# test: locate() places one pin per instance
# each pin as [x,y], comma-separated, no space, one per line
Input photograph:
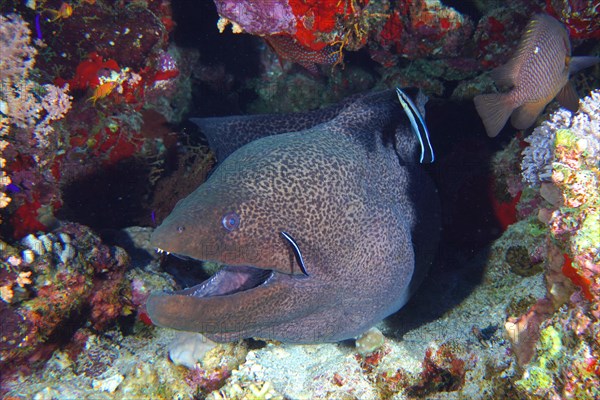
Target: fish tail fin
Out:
[494,110]
[582,62]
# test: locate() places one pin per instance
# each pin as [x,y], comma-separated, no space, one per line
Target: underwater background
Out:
[96,148]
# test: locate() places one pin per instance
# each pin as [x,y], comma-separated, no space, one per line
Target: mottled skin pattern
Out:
[348,190]
[227,134]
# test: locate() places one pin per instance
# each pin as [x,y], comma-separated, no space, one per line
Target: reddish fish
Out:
[288,48]
[537,73]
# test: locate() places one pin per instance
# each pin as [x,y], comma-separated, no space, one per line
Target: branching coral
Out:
[24,104]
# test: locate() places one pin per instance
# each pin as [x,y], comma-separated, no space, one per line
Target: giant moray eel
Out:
[324,221]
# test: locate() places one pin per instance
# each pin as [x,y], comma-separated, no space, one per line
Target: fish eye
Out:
[230,221]
[180,229]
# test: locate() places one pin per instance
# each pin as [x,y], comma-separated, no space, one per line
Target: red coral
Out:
[370,362]
[106,301]
[442,372]
[392,383]
[87,73]
[25,219]
[506,211]
[144,317]
[392,30]
[496,26]
[422,29]
[205,382]
[573,274]
[580,17]
[316,16]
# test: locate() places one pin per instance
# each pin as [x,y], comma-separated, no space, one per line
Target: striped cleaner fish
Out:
[288,48]
[415,116]
[538,72]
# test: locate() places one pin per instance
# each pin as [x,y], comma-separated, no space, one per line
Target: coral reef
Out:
[88,87]
[580,17]
[553,336]
[427,42]
[25,105]
[80,97]
[51,281]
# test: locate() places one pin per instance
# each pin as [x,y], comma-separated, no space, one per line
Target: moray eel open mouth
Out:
[234,279]
[220,306]
[228,290]
[229,280]
[322,220]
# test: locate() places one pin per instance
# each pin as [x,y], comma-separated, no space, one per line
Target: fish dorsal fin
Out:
[507,74]
[374,110]
[393,117]
[227,134]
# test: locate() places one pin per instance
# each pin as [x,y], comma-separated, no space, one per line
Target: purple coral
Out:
[539,156]
[263,17]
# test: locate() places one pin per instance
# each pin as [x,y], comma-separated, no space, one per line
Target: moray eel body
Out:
[324,220]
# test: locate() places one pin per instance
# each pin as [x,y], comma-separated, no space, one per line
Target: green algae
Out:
[211,267]
[588,235]
[540,376]
[565,138]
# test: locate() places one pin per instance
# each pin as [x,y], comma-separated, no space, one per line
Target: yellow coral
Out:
[6,293]
[23,278]
[4,200]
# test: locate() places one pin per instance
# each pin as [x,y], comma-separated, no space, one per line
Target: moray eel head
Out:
[205,228]
[324,222]
[239,219]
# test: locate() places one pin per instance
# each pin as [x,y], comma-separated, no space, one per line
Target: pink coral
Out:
[204,381]
[15,42]
[263,17]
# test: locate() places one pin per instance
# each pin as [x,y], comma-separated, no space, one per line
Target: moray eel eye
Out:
[180,229]
[231,221]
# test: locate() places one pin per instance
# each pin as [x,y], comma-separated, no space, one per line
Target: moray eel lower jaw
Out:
[217,306]
[230,280]
[237,278]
